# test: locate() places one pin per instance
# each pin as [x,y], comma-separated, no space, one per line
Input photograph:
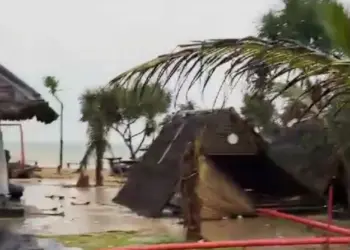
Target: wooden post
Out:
[191,204]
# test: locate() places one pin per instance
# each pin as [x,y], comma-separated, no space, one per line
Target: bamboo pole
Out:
[191,204]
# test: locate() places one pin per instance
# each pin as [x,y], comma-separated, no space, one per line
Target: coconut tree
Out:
[99,110]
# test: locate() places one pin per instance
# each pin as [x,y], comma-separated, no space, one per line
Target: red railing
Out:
[240,243]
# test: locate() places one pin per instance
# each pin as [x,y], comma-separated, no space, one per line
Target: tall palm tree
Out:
[98,109]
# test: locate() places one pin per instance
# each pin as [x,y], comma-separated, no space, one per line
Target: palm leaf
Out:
[296,93]
[240,58]
[336,22]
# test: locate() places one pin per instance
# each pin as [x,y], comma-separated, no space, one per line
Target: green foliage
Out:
[338,119]
[320,24]
[336,22]
[259,112]
[99,110]
[100,104]
[136,102]
[297,20]
[51,83]
[139,103]
[120,108]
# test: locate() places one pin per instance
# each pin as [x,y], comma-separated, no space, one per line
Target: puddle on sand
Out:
[103,215]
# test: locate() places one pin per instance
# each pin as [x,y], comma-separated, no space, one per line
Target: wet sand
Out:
[98,216]
[101,215]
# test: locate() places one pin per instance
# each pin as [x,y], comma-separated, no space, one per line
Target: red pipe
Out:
[305,221]
[239,243]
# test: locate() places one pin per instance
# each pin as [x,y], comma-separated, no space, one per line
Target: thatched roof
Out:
[18,101]
[153,181]
[218,124]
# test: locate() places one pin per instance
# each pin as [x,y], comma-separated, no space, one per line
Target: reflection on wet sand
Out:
[99,215]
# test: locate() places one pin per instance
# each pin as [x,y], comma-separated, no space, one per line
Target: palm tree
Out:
[52,83]
[99,110]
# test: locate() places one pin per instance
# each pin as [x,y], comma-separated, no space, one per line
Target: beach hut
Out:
[238,173]
[18,101]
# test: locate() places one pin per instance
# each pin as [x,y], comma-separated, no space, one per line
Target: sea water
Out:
[46,154]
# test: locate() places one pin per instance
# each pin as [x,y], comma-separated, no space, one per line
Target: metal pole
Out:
[61,132]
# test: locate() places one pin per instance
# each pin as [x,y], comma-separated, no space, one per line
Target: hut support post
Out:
[4,179]
[191,203]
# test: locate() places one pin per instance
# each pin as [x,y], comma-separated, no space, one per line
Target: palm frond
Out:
[296,93]
[241,58]
[336,21]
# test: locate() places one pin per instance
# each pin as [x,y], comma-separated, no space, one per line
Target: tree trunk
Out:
[99,165]
[83,180]
[191,204]
[80,169]
[132,156]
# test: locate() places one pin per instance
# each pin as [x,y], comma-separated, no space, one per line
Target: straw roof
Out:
[18,101]
[153,181]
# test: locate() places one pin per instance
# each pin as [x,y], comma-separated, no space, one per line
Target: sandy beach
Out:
[70,174]
[85,217]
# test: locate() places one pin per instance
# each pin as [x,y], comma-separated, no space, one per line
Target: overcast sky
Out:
[85,43]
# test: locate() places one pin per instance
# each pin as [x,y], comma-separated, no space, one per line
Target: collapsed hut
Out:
[306,152]
[236,173]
